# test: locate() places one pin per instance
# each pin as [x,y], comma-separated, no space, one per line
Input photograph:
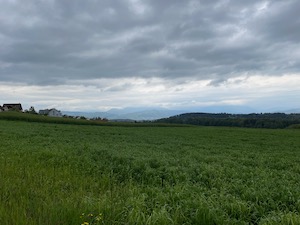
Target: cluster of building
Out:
[18,107]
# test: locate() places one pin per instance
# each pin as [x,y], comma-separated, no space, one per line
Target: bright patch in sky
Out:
[105,94]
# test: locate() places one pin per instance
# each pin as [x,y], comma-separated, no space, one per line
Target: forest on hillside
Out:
[253,120]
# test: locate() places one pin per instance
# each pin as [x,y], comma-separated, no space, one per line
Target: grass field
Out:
[60,174]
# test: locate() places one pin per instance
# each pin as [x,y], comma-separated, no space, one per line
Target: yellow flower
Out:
[99,217]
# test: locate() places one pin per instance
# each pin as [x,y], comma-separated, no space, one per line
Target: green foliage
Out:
[32,110]
[53,173]
[266,120]
[295,126]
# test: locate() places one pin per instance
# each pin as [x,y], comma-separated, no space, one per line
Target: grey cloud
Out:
[118,88]
[280,22]
[217,82]
[45,42]
[144,45]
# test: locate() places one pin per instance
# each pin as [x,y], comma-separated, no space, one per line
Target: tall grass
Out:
[53,173]
[295,126]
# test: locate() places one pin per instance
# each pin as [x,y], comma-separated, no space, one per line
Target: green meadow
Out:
[59,174]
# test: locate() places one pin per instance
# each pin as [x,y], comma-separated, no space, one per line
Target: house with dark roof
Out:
[12,107]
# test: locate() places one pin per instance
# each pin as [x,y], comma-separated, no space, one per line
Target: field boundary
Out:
[19,116]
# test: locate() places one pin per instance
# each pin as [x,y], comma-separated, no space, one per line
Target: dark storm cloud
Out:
[53,41]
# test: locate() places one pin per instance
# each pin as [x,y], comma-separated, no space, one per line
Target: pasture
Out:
[58,174]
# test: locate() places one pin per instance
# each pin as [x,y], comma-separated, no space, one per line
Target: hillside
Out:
[254,120]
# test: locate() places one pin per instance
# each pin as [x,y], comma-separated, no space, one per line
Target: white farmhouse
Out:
[51,112]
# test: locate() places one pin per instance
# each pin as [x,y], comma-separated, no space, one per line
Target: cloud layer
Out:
[53,41]
[258,93]
[131,48]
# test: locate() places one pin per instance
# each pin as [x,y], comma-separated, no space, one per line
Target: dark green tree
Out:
[32,110]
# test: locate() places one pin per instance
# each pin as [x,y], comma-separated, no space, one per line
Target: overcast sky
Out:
[100,54]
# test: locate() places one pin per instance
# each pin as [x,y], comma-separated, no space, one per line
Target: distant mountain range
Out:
[158,113]
[292,111]
[128,114]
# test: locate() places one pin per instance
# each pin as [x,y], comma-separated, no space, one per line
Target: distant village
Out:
[18,107]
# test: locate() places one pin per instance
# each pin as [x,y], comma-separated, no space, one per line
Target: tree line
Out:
[253,120]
